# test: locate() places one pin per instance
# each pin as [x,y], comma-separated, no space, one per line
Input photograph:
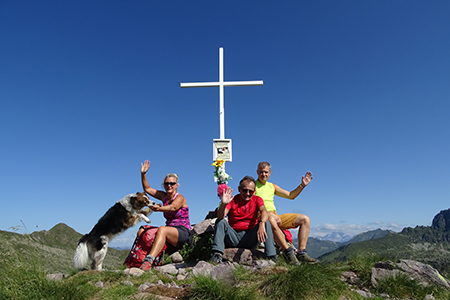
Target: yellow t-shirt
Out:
[266,191]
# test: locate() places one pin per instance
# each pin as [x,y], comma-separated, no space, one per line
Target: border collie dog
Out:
[126,213]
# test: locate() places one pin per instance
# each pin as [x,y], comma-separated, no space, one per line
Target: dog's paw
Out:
[147,211]
[146,219]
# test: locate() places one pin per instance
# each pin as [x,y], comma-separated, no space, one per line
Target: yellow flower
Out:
[218,163]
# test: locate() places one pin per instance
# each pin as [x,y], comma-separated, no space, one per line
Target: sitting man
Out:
[243,230]
[267,190]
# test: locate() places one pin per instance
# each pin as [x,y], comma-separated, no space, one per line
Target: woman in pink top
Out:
[176,212]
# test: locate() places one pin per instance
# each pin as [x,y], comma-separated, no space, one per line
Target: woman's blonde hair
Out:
[171,175]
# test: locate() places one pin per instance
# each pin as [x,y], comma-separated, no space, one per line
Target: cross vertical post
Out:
[221,84]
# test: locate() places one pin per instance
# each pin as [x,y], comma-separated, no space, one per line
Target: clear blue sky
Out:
[358,92]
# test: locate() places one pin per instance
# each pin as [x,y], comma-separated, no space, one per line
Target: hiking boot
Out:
[302,256]
[147,263]
[273,258]
[290,258]
[290,245]
[146,266]
[216,258]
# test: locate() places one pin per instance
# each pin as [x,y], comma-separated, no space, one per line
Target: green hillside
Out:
[53,249]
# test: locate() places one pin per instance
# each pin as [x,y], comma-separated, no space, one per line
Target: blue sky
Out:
[357,92]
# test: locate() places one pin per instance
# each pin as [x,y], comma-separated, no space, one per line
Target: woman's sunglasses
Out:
[169,183]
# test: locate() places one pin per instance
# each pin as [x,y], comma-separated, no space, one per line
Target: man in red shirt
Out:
[243,229]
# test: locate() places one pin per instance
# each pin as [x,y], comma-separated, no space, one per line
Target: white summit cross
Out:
[221,84]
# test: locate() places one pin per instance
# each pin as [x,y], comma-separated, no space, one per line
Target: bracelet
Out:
[302,186]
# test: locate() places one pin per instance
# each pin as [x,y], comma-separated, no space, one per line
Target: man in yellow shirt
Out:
[267,190]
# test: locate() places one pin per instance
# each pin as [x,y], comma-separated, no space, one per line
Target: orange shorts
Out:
[287,220]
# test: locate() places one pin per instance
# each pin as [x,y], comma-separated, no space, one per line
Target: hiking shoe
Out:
[216,258]
[290,245]
[302,256]
[146,266]
[290,258]
[273,258]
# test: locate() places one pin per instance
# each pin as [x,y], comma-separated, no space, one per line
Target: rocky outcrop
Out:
[441,221]
[423,273]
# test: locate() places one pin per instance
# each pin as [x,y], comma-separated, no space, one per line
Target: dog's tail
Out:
[81,257]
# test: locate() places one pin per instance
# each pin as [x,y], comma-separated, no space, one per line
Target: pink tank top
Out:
[177,218]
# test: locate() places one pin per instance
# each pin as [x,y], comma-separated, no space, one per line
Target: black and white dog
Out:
[126,213]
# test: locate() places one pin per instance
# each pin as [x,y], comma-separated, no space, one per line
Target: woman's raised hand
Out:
[145,166]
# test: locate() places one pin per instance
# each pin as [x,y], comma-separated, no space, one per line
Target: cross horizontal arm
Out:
[226,83]
[243,83]
[199,84]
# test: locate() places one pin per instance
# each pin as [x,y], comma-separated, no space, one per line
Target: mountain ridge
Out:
[427,244]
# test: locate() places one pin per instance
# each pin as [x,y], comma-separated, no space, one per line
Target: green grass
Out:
[22,279]
[403,287]
[26,280]
[305,282]
[207,288]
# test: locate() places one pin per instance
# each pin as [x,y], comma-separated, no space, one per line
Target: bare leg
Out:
[304,224]
[164,234]
[278,234]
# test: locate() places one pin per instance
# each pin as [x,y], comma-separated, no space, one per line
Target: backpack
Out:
[141,247]
[288,235]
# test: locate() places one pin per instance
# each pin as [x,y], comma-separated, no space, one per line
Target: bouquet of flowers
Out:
[219,173]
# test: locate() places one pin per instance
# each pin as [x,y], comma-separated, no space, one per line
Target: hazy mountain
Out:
[337,237]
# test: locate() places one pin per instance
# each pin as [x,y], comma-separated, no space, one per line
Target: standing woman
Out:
[176,211]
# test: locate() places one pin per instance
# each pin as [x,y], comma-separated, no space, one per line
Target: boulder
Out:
[242,256]
[204,226]
[422,272]
[224,272]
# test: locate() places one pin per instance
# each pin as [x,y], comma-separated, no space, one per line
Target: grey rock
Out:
[181,276]
[350,277]
[224,272]
[134,271]
[144,286]
[378,274]
[202,268]
[365,294]
[127,282]
[262,263]
[176,257]
[422,272]
[204,226]
[242,256]
[99,284]
[167,269]
[56,276]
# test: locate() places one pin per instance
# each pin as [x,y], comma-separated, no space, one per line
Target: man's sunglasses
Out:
[169,183]
[245,191]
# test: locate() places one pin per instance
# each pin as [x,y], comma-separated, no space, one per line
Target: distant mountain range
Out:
[427,244]
[319,246]
[337,237]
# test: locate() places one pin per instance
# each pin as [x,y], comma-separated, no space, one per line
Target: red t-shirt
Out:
[243,215]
